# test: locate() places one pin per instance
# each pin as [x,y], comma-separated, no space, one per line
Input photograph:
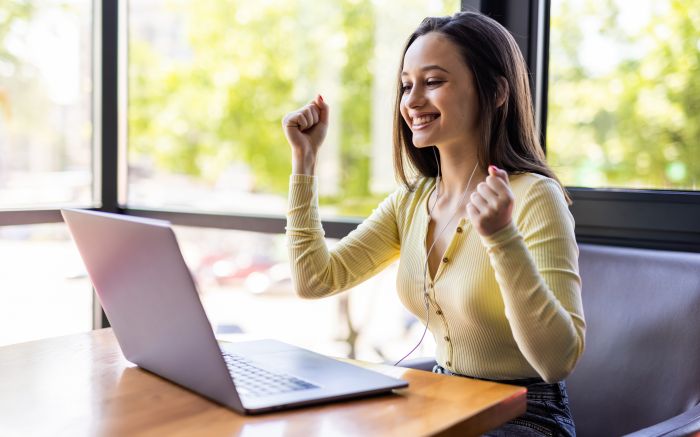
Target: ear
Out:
[502,91]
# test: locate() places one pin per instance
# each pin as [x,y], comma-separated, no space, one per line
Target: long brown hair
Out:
[509,138]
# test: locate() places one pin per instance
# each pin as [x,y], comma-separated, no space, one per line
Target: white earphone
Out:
[426,296]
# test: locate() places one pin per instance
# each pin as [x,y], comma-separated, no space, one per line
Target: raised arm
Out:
[535,259]
[317,271]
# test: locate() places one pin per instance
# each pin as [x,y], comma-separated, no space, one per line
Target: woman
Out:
[488,257]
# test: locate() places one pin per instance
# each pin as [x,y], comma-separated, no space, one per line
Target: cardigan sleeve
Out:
[316,270]
[536,266]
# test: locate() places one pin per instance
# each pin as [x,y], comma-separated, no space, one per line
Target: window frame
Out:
[657,219]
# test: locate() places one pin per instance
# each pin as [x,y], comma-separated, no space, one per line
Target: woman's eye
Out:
[428,83]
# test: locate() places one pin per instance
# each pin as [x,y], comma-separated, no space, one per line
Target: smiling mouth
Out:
[423,121]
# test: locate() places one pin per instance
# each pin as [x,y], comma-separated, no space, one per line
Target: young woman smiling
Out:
[480,224]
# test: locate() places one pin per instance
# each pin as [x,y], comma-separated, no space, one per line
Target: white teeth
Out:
[419,121]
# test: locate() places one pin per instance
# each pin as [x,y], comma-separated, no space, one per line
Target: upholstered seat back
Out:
[641,365]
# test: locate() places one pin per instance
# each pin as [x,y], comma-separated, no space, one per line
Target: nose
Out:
[415,97]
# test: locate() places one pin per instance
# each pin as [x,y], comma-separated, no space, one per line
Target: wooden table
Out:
[81,385]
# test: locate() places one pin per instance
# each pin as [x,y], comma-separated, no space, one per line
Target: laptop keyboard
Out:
[252,381]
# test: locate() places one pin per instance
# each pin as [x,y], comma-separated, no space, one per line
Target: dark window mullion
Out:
[544,72]
[109,105]
[29,217]
[333,228]
[109,121]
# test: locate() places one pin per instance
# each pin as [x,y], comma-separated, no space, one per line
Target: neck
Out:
[455,174]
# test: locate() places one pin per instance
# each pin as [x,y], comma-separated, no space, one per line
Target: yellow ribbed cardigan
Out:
[506,306]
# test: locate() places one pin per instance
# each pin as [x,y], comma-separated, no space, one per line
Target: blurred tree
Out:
[198,110]
[633,120]
[224,101]
[356,101]
[221,102]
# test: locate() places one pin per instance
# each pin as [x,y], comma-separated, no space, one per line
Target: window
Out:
[45,103]
[624,99]
[46,143]
[209,82]
[622,118]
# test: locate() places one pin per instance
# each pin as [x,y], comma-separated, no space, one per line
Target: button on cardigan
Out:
[506,306]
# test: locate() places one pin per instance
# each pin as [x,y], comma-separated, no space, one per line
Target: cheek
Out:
[468,113]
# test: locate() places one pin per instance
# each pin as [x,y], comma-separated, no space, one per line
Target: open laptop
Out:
[151,301]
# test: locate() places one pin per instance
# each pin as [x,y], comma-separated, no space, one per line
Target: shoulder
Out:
[420,188]
[538,200]
[529,187]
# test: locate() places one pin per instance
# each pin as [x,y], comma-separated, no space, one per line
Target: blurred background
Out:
[206,85]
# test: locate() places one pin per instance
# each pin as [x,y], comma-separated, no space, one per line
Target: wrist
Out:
[502,235]
[303,163]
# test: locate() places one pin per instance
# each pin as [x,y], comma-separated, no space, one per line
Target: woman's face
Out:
[438,102]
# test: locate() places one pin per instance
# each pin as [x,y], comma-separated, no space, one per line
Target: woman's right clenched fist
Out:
[305,130]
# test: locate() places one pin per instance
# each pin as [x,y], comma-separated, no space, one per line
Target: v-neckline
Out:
[426,249]
[432,277]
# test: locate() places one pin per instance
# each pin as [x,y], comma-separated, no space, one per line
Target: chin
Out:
[421,144]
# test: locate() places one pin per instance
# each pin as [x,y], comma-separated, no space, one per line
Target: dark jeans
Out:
[547,411]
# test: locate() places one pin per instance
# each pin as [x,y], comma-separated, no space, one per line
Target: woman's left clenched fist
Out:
[490,206]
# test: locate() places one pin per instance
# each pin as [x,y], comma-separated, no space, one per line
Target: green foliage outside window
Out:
[636,125]
[248,63]
[226,103]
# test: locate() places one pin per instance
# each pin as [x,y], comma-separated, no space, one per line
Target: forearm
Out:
[548,331]
[308,253]
[318,272]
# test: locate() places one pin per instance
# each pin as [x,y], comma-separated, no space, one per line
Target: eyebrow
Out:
[428,67]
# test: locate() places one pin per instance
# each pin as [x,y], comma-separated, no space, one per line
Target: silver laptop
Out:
[151,301]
